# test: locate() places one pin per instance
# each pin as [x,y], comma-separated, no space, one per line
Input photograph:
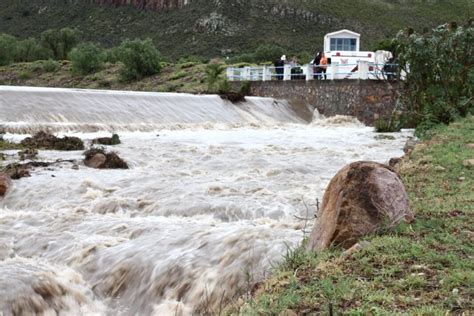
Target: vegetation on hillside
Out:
[230,28]
[422,268]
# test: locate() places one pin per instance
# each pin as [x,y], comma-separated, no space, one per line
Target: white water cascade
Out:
[206,210]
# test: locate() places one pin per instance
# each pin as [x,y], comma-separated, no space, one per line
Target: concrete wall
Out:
[365,99]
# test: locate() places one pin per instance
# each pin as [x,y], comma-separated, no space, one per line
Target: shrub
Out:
[386,126]
[25,75]
[187,65]
[29,50]
[112,55]
[214,74]
[439,67]
[61,42]
[50,66]
[140,58]
[268,53]
[246,58]
[86,59]
[178,75]
[7,49]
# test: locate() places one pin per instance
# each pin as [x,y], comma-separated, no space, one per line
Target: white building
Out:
[343,47]
[343,41]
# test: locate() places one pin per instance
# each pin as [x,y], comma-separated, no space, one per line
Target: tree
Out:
[214,74]
[140,58]
[7,49]
[61,42]
[265,53]
[439,73]
[86,59]
[29,50]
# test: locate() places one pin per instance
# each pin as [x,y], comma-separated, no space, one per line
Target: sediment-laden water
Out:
[206,210]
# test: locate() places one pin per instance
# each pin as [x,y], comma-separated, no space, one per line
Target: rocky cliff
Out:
[145,4]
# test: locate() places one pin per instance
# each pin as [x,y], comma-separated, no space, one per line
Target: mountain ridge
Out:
[217,28]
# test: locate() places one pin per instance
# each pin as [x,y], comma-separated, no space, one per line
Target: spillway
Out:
[206,210]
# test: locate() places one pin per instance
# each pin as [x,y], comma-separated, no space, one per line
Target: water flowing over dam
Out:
[205,211]
[27,109]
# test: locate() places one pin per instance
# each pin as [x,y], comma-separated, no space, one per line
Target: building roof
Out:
[343,31]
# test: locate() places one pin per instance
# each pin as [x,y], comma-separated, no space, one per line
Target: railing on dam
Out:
[361,70]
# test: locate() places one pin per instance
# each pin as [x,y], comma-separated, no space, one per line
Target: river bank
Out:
[421,268]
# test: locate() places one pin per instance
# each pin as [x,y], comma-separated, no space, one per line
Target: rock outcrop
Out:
[110,141]
[43,140]
[158,5]
[98,158]
[362,198]
[5,184]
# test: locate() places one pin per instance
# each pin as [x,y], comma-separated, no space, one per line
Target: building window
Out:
[344,44]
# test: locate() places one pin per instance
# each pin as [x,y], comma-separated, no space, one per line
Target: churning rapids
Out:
[206,210]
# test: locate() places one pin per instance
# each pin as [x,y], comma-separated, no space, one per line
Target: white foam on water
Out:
[203,214]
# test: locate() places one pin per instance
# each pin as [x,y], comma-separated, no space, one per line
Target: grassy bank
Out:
[187,77]
[422,268]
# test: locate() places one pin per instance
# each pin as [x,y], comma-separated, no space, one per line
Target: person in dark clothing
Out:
[279,67]
[317,71]
[390,69]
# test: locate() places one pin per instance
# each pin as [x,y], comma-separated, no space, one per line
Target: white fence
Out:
[363,70]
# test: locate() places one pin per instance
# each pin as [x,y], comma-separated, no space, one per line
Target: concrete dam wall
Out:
[365,99]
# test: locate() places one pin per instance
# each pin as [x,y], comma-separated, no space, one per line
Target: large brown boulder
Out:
[5,183]
[362,198]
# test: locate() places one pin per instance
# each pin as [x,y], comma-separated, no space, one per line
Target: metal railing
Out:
[362,70]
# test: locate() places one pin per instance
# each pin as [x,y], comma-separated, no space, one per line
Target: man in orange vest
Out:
[323,65]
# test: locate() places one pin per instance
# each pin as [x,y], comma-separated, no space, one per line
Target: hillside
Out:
[212,28]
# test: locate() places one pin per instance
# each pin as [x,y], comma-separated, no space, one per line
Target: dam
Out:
[209,206]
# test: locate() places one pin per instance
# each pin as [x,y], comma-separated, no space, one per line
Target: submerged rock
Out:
[43,140]
[5,183]
[362,198]
[28,154]
[21,170]
[109,141]
[98,158]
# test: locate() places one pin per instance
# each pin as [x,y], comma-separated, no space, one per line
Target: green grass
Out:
[422,268]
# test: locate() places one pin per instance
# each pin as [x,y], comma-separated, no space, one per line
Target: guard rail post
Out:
[309,72]
[363,70]
[287,72]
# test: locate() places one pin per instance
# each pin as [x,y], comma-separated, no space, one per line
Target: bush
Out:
[246,58]
[61,42]
[86,59]
[214,73]
[386,126]
[140,58]
[439,67]
[51,66]
[112,55]
[25,75]
[178,75]
[270,53]
[29,50]
[7,49]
